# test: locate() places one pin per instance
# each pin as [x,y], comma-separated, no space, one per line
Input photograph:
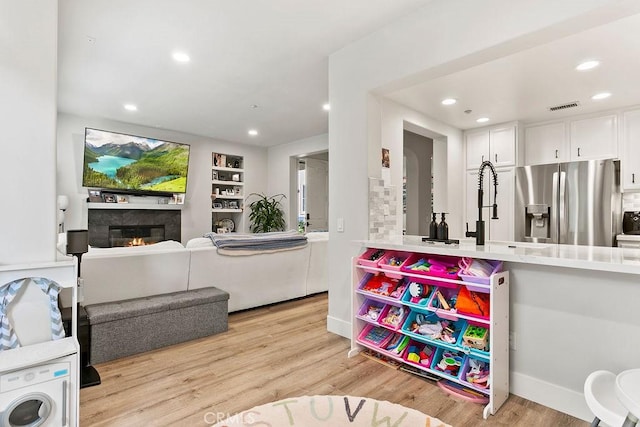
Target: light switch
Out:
[340,225]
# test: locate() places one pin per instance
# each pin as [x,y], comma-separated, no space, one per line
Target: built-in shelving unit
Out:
[227,192]
[388,321]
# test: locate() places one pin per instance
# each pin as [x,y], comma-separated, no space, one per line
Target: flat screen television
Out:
[134,164]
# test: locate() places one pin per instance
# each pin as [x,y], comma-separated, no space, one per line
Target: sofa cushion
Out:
[111,311]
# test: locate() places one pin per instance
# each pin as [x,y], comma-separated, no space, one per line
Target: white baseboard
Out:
[551,395]
[339,327]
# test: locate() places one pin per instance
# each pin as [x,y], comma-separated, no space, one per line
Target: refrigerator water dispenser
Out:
[537,227]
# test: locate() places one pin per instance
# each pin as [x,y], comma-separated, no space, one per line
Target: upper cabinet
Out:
[545,144]
[497,144]
[594,138]
[631,149]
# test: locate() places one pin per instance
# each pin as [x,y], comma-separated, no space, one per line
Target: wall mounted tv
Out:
[134,164]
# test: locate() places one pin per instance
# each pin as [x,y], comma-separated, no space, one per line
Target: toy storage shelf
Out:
[497,323]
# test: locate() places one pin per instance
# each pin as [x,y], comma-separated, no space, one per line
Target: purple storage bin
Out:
[395,319]
[367,313]
[475,381]
[497,268]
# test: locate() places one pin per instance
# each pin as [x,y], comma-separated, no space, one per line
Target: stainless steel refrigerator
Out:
[577,203]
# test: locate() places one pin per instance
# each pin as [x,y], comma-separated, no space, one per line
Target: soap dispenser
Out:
[433,227]
[443,229]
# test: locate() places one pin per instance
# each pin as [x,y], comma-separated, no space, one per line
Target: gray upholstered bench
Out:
[123,328]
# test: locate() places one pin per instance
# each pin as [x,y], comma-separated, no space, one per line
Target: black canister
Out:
[443,229]
[433,227]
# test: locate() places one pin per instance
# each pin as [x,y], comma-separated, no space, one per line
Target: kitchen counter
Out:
[618,260]
[570,308]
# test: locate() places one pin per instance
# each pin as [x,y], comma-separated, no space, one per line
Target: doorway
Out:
[313,192]
[417,183]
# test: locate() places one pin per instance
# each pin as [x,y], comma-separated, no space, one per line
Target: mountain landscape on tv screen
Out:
[116,161]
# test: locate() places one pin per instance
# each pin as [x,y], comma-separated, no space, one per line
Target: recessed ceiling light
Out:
[587,65]
[181,57]
[449,101]
[252,132]
[326,107]
[130,107]
[601,95]
[482,120]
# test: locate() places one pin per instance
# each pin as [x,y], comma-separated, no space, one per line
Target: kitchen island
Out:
[572,310]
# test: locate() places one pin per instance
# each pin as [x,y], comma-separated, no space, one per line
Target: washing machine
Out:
[37,396]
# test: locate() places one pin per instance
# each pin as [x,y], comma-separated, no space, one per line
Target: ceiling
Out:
[272,54]
[524,85]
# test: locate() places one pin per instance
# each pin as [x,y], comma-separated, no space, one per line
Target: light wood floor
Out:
[269,354]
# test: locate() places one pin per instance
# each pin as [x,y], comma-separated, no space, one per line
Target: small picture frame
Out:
[235,177]
[109,198]
[233,204]
[217,205]
[95,196]
[122,199]
[237,190]
[214,175]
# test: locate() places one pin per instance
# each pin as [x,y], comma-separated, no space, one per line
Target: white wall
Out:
[282,170]
[196,214]
[27,130]
[442,37]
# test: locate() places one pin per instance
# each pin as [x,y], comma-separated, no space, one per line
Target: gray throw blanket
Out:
[279,240]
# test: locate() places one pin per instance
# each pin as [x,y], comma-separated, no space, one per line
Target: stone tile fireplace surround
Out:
[101,221]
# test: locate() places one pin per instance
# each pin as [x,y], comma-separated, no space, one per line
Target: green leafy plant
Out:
[266,213]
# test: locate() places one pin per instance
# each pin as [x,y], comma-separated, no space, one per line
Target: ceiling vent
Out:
[564,106]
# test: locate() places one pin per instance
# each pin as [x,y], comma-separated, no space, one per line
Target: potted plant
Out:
[266,213]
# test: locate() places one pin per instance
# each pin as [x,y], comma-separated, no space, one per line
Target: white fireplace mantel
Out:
[154,206]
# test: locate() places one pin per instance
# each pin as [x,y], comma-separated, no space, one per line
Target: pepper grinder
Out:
[443,229]
[433,227]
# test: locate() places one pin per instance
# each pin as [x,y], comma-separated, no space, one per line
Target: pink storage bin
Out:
[389,320]
[365,260]
[497,268]
[448,294]
[393,270]
[376,336]
[441,266]
[417,348]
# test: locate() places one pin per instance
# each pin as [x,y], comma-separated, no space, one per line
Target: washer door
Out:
[30,410]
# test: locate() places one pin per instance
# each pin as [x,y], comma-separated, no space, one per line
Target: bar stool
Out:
[600,394]
[628,392]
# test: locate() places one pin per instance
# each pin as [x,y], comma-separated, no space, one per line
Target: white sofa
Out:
[115,274]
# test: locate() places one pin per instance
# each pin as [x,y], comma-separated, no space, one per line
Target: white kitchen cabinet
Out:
[477,148]
[594,138]
[496,144]
[502,146]
[630,164]
[545,144]
[495,229]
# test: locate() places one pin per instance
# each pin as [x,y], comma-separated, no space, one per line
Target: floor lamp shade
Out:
[77,242]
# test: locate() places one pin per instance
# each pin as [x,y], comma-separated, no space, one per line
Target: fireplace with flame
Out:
[137,235]
[132,227]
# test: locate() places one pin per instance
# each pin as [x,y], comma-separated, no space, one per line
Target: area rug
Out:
[331,411]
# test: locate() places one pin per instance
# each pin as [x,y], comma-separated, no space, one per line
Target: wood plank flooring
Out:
[269,354]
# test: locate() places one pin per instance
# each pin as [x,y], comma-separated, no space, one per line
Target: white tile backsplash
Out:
[631,202]
[382,210]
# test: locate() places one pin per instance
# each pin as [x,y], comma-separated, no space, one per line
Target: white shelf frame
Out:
[226,169]
[498,326]
[226,210]
[227,183]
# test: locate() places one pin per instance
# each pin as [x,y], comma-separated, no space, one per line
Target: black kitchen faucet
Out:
[479,233]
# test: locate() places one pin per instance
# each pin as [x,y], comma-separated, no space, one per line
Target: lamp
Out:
[63,204]
[78,244]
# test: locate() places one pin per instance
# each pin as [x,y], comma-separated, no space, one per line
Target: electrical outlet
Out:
[512,341]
